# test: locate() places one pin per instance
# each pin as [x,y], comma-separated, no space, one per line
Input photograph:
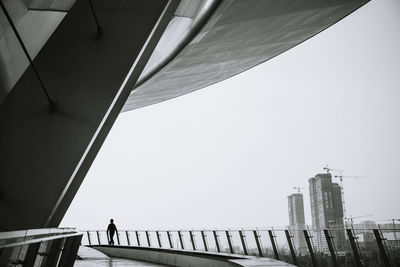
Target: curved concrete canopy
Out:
[239,35]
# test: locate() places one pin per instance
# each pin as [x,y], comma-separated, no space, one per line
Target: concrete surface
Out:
[185,258]
[93,258]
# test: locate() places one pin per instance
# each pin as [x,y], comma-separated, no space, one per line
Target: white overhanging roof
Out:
[209,41]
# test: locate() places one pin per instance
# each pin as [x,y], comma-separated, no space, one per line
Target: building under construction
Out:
[297,221]
[326,210]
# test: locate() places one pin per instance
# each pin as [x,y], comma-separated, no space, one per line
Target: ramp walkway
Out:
[88,257]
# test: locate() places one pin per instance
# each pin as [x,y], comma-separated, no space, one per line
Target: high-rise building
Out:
[326,210]
[297,221]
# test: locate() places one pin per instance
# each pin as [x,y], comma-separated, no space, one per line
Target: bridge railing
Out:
[303,247]
[39,247]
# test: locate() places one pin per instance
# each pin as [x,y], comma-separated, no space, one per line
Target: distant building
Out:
[366,228]
[326,211]
[390,231]
[297,221]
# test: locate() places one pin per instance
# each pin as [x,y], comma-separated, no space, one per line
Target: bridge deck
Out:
[93,258]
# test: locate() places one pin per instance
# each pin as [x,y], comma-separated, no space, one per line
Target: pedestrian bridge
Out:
[143,256]
[91,257]
[62,247]
[67,247]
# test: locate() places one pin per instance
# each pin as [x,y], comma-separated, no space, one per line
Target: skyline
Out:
[233,140]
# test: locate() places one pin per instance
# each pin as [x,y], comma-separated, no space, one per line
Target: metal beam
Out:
[258,243]
[331,246]
[289,239]
[273,243]
[230,244]
[204,238]
[310,248]
[382,248]
[243,241]
[354,247]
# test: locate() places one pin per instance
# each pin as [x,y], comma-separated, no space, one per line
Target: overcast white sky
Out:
[228,155]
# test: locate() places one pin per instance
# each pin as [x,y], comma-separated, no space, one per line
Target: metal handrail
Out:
[34,232]
[46,247]
[265,242]
[38,240]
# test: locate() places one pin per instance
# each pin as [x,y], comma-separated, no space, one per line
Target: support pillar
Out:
[354,247]
[31,254]
[216,238]
[273,243]
[119,243]
[159,239]
[88,237]
[181,239]
[382,248]
[70,249]
[289,239]
[192,240]
[258,243]
[310,248]
[53,253]
[137,238]
[127,238]
[98,237]
[148,238]
[331,246]
[243,240]
[229,238]
[171,245]
[204,238]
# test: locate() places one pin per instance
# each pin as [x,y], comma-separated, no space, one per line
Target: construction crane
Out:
[351,218]
[328,170]
[342,189]
[298,188]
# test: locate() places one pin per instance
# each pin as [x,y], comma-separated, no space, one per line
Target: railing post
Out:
[127,238]
[192,240]
[148,238]
[258,243]
[243,240]
[70,249]
[158,239]
[171,245]
[216,238]
[291,246]
[181,239]
[137,238]
[119,243]
[274,246]
[53,252]
[229,238]
[204,237]
[354,247]
[88,237]
[31,254]
[98,237]
[382,248]
[310,248]
[331,246]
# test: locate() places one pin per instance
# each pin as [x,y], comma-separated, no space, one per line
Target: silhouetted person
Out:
[111,229]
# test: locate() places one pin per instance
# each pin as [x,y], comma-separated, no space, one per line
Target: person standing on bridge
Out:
[111,229]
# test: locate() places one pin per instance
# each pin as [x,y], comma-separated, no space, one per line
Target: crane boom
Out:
[328,170]
[348,176]
[341,176]
[298,188]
